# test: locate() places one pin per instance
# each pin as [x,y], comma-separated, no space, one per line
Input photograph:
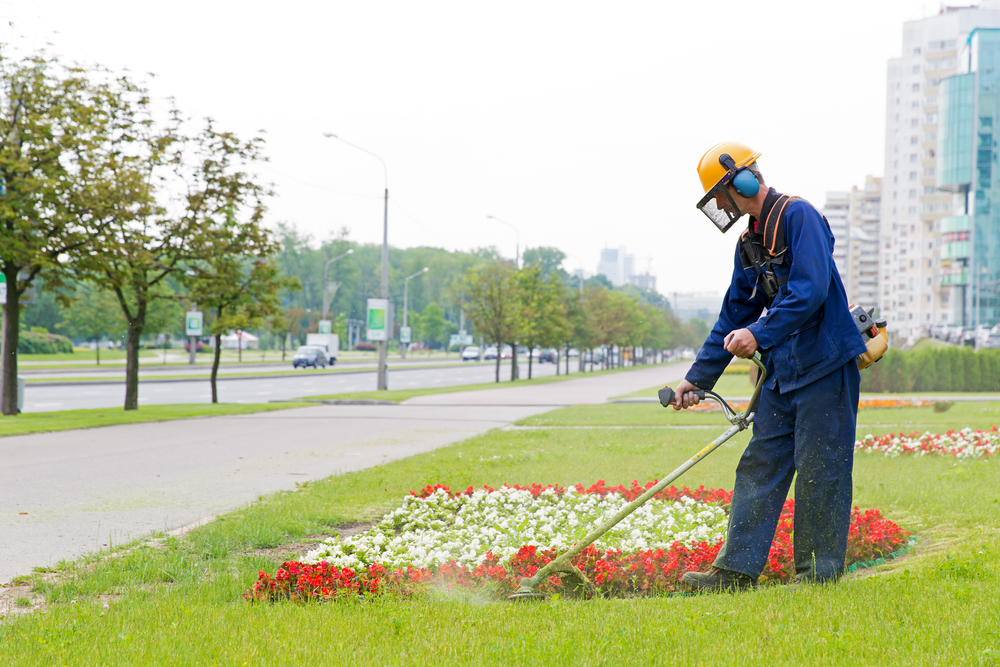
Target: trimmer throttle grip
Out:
[668,396]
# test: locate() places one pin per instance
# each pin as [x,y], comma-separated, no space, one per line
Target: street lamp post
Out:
[517,236]
[382,375]
[327,300]
[406,295]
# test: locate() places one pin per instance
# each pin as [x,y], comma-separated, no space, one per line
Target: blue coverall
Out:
[806,419]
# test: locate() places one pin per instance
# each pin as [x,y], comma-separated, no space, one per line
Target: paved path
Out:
[82,490]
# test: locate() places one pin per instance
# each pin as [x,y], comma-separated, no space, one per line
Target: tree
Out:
[51,120]
[231,269]
[547,259]
[432,325]
[543,319]
[492,304]
[95,313]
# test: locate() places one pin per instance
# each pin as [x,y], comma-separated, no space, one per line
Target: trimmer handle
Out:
[668,396]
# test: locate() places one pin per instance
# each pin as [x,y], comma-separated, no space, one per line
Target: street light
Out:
[327,300]
[406,295]
[382,379]
[517,250]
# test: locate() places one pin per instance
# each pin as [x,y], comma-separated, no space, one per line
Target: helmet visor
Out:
[719,206]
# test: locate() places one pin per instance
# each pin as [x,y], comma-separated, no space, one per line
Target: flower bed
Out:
[491,538]
[964,444]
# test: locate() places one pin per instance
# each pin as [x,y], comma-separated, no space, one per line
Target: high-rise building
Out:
[836,210]
[969,166]
[911,296]
[616,266]
[861,279]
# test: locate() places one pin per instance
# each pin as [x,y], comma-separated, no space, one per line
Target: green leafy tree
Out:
[94,314]
[233,273]
[543,319]
[547,259]
[492,304]
[432,325]
[52,120]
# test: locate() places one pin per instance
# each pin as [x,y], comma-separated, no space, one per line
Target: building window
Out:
[929,171]
[915,88]
[912,210]
[913,157]
[916,69]
[930,119]
[895,163]
[913,177]
[929,189]
[914,104]
[913,139]
[930,136]
[916,51]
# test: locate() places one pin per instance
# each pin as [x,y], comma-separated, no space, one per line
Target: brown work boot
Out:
[717,580]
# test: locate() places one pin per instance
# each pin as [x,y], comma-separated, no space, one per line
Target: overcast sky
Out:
[579,123]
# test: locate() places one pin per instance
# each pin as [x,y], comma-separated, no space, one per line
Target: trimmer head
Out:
[526,595]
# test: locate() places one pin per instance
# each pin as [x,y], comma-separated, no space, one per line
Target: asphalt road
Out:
[43,398]
[69,493]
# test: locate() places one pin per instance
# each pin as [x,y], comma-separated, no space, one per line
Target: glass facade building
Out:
[969,132]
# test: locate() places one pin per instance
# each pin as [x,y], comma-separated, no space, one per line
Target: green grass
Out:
[730,384]
[925,344]
[42,422]
[282,373]
[400,395]
[178,601]
[80,354]
[976,414]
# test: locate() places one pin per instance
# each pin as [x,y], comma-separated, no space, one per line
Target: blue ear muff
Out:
[745,183]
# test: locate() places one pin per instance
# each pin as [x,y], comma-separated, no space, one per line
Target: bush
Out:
[942,369]
[33,342]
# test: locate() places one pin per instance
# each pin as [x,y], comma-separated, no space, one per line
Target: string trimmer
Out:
[579,585]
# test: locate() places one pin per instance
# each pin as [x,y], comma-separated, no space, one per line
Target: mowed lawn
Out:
[178,600]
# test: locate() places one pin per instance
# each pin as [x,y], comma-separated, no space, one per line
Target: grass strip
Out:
[400,395]
[176,601]
[223,376]
[44,422]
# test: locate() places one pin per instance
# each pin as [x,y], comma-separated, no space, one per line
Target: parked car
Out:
[470,353]
[992,341]
[547,356]
[506,352]
[490,353]
[308,355]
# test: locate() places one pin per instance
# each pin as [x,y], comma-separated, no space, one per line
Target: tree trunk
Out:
[283,337]
[529,362]
[499,346]
[567,358]
[132,362]
[513,360]
[11,313]
[215,364]
[557,362]
[97,349]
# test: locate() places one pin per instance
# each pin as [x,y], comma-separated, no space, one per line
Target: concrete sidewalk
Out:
[69,493]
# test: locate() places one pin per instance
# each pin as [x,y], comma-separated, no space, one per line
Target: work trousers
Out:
[807,433]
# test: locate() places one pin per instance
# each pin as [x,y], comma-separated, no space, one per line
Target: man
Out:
[805,421]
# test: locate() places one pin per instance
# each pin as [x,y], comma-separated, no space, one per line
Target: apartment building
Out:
[912,207]
[861,279]
[837,210]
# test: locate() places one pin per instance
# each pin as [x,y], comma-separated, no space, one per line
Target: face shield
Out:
[719,206]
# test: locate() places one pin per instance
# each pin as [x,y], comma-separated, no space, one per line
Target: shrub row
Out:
[958,369]
[33,342]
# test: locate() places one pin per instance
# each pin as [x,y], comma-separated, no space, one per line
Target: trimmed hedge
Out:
[31,342]
[943,369]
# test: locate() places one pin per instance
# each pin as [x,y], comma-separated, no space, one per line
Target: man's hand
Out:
[741,343]
[684,396]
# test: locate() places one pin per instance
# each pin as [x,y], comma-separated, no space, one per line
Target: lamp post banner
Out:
[378,319]
[326,326]
[404,334]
